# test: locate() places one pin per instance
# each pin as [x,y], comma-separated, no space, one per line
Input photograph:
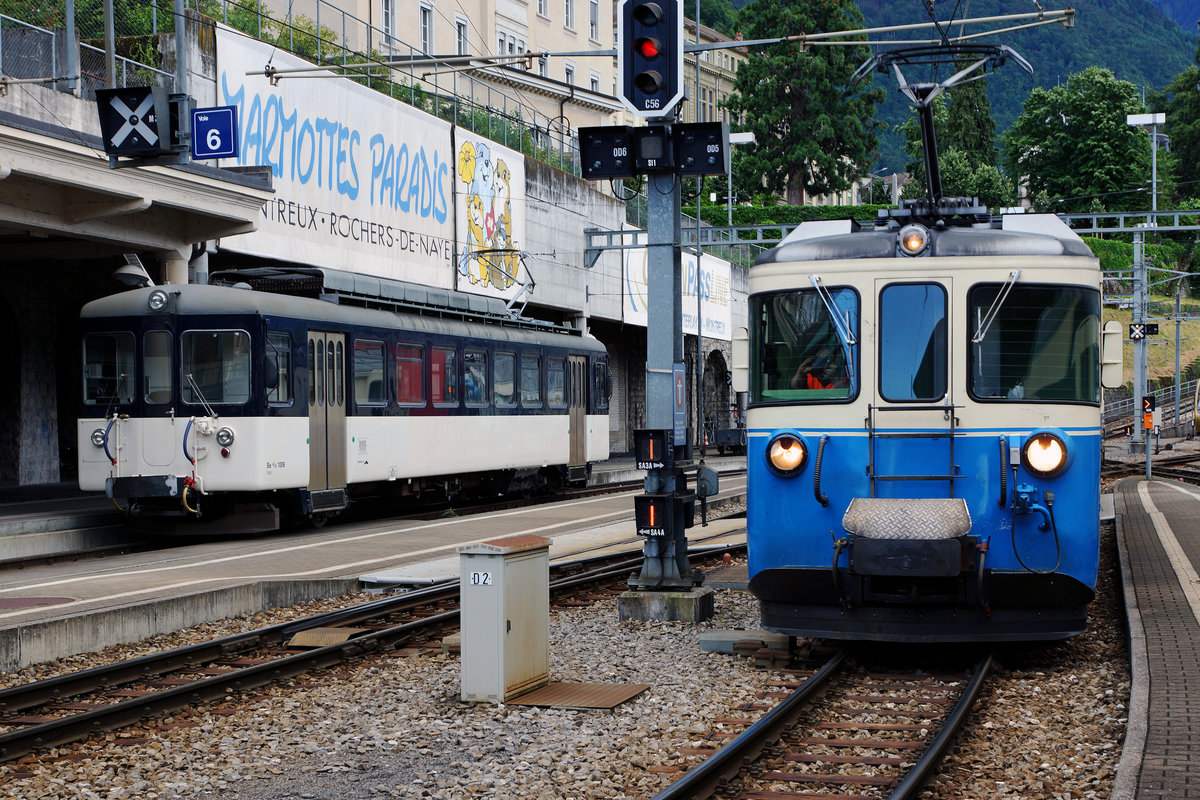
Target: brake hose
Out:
[1057,543]
[822,499]
[186,431]
[106,430]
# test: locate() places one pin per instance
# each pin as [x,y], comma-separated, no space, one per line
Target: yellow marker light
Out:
[786,454]
[1044,454]
[913,239]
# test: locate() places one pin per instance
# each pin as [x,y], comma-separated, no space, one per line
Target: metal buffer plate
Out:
[920,537]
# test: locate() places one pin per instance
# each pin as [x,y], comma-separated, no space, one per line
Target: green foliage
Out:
[1071,143]
[963,174]
[1131,37]
[1116,255]
[1181,102]
[719,15]
[816,131]
[969,126]
[785,216]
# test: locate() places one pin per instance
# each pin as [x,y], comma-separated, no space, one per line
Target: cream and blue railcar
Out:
[924,429]
[230,409]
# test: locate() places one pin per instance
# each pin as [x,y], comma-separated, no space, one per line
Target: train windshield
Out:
[108,368]
[1039,343]
[216,367]
[802,356]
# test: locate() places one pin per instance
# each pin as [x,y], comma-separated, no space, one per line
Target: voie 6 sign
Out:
[214,132]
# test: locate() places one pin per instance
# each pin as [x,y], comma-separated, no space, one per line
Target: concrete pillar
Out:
[176,268]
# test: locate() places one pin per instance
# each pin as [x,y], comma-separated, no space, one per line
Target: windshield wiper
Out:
[840,325]
[990,316]
[195,388]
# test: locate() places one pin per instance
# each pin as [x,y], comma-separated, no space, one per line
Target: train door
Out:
[911,420]
[326,411]
[577,408]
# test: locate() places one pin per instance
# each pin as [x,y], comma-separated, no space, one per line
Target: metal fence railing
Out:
[1171,413]
[33,48]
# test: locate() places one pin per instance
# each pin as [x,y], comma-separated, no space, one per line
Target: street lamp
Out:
[1151,121]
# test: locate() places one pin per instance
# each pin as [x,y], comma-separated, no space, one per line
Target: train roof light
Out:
[157,300]
[914,239]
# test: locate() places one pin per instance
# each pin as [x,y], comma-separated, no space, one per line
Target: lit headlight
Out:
[1044,454]
[98,437]
[913,240]
[225,437]
[157,300]
[786,454]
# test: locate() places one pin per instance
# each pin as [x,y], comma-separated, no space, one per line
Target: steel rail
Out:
[75,727]
[929,760]
[702,780]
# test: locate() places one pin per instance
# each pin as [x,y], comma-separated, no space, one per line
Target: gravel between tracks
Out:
[1050,725]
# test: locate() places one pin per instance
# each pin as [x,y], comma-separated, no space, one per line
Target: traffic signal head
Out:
[650,56]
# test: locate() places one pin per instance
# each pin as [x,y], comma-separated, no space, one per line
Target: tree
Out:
[969,126]
[1072,143]
[1182,106]
[966,168]
[816,131]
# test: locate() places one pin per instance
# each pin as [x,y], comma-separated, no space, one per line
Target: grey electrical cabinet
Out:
[505,617]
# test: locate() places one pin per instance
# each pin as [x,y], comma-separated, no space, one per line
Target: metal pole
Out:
[1139,345]
[1154,167]
[1178,339]
[110,47]
[181,68]
[699,253]
[72,48]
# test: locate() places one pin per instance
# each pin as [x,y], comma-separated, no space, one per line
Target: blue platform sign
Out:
[214,132]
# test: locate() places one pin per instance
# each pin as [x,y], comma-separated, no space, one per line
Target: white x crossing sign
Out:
[135,121]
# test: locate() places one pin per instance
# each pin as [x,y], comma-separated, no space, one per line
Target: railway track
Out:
[838,732]
[72,707]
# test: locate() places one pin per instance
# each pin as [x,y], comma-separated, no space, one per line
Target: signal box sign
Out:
[135,121]
[653,515]
[654,449]
[214,132]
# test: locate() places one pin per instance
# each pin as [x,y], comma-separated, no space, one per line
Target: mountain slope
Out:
[1133,38]
[1185,12]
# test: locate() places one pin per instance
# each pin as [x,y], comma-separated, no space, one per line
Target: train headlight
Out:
[1044,454]
[98,437]
[786,454]
[225,437]
[914,239]
[157,300]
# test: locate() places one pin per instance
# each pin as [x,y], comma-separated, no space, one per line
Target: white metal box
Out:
[505,617]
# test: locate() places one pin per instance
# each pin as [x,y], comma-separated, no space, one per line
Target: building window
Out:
[595,83]
[543,66]
[569,74]
[543,11]
[462,37]
[389,21]
[569,14]
[426,30]
[594,20]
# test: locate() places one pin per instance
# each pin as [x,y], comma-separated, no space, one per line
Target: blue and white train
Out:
[222,408]
[924,432]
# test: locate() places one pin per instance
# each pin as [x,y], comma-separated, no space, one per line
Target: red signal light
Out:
[648,48]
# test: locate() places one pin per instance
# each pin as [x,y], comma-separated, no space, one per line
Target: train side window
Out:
[504,384]
[156,366]
[531,380]
[338,376]
[444,369]
[556,383]
[279,350]
[312,381]
[475,377]
[369,385]
[912,343]
[410,375]
[218,363]
[601,385]
[320,372]
[108,374]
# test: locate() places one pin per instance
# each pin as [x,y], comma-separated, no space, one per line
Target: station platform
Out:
[1158,535]
[51,610]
